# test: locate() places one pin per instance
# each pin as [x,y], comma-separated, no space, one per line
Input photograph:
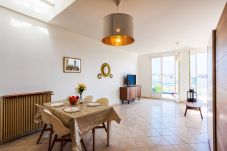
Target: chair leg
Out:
[62,143]
[186,111]
[52,145]
[103,124]
[200,113]
[83,144]
[108,133]
[44,127]
[50,138]
[93,131]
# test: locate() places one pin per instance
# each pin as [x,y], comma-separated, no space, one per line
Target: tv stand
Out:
[130,93]
[130,86]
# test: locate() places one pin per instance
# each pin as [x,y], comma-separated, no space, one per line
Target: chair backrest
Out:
[45,117]
[58,126]
[88,98]
[103,101]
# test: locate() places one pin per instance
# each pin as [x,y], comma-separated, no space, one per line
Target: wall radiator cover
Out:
[17,114]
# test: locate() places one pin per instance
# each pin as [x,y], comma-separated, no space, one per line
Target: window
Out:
[198,74]
[156,75]
[164,77]
[44,10]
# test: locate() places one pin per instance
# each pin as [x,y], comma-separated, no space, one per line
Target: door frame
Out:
[177,74]
[190,53]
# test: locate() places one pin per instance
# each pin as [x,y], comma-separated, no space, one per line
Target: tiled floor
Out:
[147,125]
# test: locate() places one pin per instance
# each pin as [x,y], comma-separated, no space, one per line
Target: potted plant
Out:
[156,91]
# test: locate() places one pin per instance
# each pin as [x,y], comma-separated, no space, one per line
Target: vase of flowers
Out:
[80,89]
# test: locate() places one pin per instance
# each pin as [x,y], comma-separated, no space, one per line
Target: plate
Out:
[93,104]
[56,104]
[82,101]
[71,109]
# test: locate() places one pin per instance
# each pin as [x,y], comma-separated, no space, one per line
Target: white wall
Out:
[184,70]
[144,72]
[31,59]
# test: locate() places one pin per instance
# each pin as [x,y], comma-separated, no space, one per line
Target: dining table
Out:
[83,120]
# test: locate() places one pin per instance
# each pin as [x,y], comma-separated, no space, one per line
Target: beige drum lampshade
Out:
[118,29]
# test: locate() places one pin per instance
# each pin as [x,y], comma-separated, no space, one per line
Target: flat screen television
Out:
[131,79]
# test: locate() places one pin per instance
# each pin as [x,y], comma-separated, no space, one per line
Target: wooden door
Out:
[211,54]
[221,81]
[123,93]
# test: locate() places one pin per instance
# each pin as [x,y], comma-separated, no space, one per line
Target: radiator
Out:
[17,114]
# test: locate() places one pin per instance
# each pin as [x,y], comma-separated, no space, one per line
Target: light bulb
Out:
[118,40]
[118,30]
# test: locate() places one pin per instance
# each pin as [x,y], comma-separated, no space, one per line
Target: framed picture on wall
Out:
[71,65]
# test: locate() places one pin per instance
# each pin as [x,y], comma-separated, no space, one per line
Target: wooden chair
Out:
[104,102]
[47,124]
[88,98]
[60,131]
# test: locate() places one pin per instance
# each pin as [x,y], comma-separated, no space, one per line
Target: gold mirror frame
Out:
[105,65]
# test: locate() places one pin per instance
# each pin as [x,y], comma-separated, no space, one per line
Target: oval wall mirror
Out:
[105,70]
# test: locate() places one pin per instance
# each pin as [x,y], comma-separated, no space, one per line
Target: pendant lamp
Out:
[118,28]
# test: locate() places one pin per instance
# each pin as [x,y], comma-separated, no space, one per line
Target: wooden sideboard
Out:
[130,93]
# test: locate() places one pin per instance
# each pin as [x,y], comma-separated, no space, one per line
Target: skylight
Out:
[44,10]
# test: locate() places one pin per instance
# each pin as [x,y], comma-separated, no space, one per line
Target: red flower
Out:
[73,99]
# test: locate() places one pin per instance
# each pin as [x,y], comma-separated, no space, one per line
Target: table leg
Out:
[93,132]
[186,111]
[108,133]
[200,113]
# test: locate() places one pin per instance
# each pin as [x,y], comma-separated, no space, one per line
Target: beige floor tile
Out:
[184,147]
[147,125]
[201,147]
[166,148]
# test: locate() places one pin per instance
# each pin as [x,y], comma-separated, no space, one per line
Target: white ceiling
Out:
[158,24]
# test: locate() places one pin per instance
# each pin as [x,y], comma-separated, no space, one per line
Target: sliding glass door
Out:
[169,77]
[156,76]
[198,74]
[164,74]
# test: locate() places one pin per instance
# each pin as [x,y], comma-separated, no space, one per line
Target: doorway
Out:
[198,74]
[164,77]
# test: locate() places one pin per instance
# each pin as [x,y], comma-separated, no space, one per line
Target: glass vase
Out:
[81,97]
